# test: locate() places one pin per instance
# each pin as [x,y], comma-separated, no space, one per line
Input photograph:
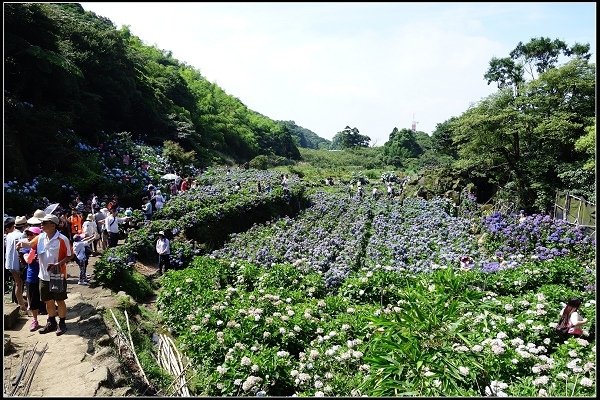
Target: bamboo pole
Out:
[23,370]
[34,368]
[137,361]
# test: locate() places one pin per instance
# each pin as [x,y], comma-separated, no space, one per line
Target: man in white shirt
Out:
[112,227]
[163,248]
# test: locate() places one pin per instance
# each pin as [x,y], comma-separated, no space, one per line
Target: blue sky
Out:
[366,65]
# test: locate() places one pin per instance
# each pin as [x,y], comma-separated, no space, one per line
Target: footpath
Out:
[80,363]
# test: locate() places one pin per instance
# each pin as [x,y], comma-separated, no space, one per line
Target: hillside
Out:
[71,77]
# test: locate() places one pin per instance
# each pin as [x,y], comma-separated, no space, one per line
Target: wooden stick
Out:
[23,369]
[180,366]
[137,361]
[32,373]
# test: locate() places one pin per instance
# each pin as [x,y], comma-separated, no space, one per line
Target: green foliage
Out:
[305,137]
[587,145]
[178,157]
[402,146]
[349,138]
[416,341]
[268,161]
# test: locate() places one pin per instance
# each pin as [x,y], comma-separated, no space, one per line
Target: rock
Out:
[102,354]
[93,319]
[104,340]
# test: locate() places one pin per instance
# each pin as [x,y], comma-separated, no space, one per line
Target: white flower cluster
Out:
[496,388]
[251,383]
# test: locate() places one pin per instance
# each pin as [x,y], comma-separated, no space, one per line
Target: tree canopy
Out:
[349,138]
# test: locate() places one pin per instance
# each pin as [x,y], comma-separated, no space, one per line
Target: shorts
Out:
[33,295]
[47,295]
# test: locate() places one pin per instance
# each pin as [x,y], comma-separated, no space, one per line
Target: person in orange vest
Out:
[76,221]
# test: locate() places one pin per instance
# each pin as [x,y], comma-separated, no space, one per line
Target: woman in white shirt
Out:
[90,232]
[570,320]
[160,200]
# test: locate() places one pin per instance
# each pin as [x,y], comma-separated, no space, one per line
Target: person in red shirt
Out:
[185,185]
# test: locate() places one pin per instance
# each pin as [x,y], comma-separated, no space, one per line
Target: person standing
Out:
[81,257]
[32,280]
[54,252]
[163,248]
[95,204]
[112,227]
[100,217]
[147,209]
[160,200]
[90,232]
[12,261]
[76,221]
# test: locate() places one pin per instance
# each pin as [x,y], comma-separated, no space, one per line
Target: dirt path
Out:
[81,362]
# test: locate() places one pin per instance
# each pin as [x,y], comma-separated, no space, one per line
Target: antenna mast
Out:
[414,124]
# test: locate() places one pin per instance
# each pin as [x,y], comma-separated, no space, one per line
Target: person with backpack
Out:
[81,249]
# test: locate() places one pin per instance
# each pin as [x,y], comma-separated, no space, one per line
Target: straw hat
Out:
[20,221]
[37,217]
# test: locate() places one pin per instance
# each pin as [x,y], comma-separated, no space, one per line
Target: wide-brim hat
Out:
[90,217]
[39,213]
[20,221]
[34,221]
[51,218]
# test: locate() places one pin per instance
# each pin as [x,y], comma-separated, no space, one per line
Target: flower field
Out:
[366,297]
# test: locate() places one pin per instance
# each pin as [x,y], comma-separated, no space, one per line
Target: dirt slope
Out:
[81,362]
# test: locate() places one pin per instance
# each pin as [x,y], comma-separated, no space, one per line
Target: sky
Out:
[370,66]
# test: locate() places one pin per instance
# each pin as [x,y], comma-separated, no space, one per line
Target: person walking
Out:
[80,247]
[160,200]
[163,248]
[54,252]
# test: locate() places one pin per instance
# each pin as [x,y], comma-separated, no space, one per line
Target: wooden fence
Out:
[575,210]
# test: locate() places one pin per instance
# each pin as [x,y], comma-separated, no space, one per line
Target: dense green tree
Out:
[349,138]
[442,139]
[403,145]
[535,57]
[305,137]
[528,139]
[178,157]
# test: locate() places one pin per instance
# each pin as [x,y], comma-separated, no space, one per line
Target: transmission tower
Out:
[414,124]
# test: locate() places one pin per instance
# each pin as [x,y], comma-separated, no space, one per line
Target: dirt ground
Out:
[80,363]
